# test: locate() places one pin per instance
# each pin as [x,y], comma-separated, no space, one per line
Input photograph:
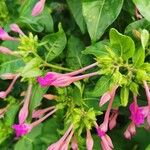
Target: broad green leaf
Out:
[55,44]
[74,57]
[101,86]
[37,95]
[76,10]
[124,96]
[138,57]
[31,69]
[144,38]
[11,66]
[99,14]
[124,43]
[144,7]
[97,49]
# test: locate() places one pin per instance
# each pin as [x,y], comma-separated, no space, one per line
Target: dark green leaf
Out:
[55,44]
[99,15]
[76,10]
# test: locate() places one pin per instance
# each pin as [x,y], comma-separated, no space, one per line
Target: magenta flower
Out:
[137,115]
[21,129]
[5,36]
[24,128]
[15,28]
[38,8]
[62,80]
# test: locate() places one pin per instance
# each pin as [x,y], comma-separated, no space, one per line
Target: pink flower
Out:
[38,8]
[24,128]
[137,115]
[38,113]
[14,27]
[21,129]
[5,50]
[62,80]
[5,36]
[106,142]
[23,114]
[8,76]
[74,144]
[113,118]
[50,96]
[89,140]
[104,125]
[105,98]
[3,94]
[63,143]
[130,131]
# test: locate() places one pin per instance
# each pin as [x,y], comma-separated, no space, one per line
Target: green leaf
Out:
[124,43]
[97,49]
[55,44]
[76,10]
[37,95]
[124,96]
[99,15]
[137,25]
[31,68]
[144,7]
[101,86]
[11,66]
[39,23]
[74,58]
[144,38]
[138,57]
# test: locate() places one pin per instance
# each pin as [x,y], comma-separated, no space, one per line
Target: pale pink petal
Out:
[105,98]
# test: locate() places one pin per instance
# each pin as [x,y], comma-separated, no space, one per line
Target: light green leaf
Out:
[144,7]
[101,86]
[144,38]
[97,49]
[99,14]
[124,96]
[55,44]
[76,10]
[11,66]
[122,42]
[138,57]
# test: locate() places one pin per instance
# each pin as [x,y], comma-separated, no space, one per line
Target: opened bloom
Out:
[38,8]
[62,80]
[24,128]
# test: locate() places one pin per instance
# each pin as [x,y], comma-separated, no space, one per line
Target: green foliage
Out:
[112,35]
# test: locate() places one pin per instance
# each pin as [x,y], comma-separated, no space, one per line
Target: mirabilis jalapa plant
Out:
[120,61]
